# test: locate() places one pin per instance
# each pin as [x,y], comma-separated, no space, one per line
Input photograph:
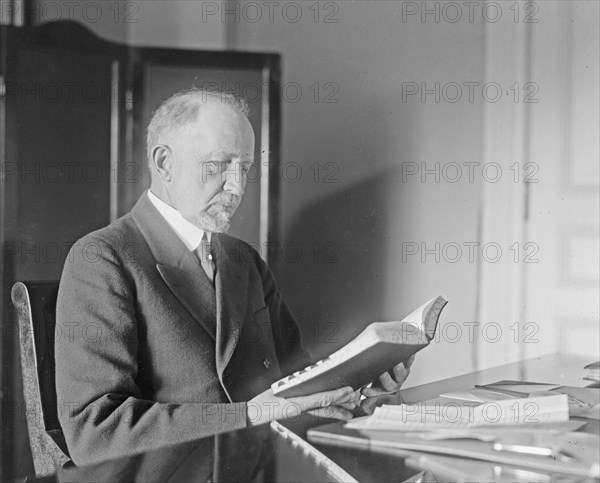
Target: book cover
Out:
[378,348]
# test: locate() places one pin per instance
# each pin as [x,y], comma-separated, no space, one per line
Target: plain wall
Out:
[153,23]
[361,221]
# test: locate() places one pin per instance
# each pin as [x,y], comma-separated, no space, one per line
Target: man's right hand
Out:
[267,407]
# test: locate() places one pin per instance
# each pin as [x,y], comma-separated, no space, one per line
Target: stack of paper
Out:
[499,391]
[593,372]
[438,414]
[506,431]
[584,402]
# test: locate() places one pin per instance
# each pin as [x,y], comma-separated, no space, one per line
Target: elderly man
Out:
[176,330]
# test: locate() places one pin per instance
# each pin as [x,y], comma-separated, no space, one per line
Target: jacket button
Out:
[266,363]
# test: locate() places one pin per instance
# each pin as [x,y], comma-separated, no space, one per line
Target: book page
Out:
[450,414]
[425,317]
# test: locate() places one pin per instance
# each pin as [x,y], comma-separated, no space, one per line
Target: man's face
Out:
[211,159]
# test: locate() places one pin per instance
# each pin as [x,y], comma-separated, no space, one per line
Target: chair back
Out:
[36,308]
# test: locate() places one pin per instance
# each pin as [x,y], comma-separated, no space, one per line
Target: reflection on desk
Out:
[262,454]
[258,454]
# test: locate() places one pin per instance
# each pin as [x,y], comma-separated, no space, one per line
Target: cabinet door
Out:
[73,118]
[57,171]
[57,157]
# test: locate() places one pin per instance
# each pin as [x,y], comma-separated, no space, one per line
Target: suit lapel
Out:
[193,290]
[178,267]
[231,285]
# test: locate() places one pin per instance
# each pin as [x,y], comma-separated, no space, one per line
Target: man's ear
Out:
[162,159]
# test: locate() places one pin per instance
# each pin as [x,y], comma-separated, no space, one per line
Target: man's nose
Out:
[235,179]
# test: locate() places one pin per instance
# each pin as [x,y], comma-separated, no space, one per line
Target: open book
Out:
[378,348]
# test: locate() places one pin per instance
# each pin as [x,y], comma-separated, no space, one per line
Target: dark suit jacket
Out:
[149,353]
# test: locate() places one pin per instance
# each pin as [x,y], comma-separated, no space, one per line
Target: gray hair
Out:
[181,109]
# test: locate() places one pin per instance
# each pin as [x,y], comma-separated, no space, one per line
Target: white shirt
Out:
[188,233]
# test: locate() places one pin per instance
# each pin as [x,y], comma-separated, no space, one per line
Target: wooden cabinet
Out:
[72,157]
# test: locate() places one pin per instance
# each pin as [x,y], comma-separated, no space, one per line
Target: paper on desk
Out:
[490,433]
[584,402]
[457,414]
[522,386]
[477,395]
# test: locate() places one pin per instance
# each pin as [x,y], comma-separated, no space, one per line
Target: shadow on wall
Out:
[338,285]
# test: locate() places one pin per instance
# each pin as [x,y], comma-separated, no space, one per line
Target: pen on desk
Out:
[534,450]
[571,464]
[506,392]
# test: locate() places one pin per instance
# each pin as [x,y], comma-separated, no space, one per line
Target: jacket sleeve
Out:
[291,354]
[101,408]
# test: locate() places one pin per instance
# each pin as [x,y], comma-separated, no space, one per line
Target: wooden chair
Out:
[36,307]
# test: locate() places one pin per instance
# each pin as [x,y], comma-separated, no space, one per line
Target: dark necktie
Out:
[204,254]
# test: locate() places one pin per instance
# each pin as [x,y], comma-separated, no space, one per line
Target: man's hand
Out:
[390,381]
[368,405]
[330,404]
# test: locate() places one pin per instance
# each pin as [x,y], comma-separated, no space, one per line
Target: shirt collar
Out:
[188,233]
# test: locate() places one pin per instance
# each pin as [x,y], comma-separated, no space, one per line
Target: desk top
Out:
[262,454]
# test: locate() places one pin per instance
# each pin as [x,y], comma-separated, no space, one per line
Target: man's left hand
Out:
[390,381]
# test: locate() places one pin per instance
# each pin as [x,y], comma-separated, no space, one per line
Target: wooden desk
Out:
[566,370]
[262,454]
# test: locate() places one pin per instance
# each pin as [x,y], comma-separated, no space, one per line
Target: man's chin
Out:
[213,224]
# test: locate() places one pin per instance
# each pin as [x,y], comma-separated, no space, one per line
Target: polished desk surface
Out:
[262,454]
